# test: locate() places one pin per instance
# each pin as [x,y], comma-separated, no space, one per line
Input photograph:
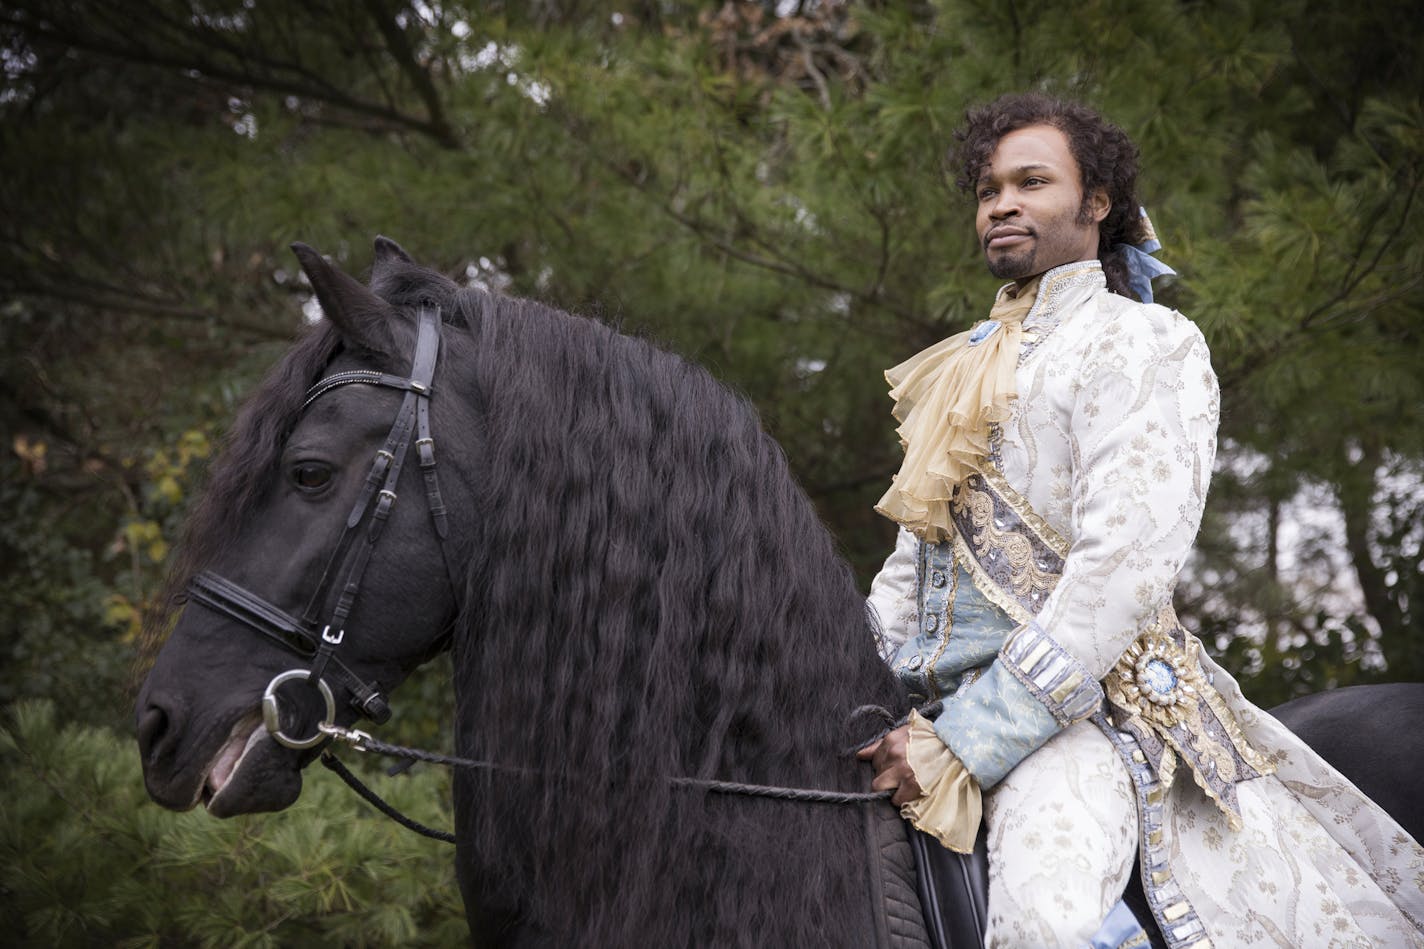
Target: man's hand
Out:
[892,768]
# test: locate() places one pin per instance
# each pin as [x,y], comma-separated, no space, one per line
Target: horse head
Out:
[320,556]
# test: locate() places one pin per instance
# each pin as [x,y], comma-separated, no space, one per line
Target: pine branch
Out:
[399,47]
[138,306]
[285,77]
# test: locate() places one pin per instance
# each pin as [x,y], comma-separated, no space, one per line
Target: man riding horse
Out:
[1056,466]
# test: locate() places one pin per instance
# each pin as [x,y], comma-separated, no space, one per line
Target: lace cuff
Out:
[949,806]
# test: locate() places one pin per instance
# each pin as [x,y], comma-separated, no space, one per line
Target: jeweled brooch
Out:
[1159,678]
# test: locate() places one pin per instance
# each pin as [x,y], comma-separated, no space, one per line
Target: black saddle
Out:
[953,889]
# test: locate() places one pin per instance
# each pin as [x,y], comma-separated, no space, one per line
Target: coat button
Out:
[931,623]
[937,578]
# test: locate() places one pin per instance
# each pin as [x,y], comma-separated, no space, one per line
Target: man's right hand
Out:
[892,767]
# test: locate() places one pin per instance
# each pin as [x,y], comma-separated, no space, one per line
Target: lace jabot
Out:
[946,399]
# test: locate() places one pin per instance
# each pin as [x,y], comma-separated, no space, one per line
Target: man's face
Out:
[1032,217]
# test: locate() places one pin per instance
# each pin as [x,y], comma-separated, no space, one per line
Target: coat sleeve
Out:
[892,595]
[1142,435]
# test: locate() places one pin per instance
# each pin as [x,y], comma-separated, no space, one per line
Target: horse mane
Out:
[655,597]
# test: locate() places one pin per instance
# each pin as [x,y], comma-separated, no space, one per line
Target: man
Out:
[1056,465]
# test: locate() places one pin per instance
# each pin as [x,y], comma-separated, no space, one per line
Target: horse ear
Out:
[390,258]
[388,250]
[363,318]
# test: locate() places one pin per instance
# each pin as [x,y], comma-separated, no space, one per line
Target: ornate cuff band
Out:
[1057,679]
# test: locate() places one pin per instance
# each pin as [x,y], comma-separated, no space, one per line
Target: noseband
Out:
[346,567]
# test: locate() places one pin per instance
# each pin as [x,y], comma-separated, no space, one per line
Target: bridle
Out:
[346,566]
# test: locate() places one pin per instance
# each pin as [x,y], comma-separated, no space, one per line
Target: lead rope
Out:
[361,741]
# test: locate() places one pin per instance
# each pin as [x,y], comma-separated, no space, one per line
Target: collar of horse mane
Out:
[946,399]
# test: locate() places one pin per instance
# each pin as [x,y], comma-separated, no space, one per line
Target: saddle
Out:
[932,898]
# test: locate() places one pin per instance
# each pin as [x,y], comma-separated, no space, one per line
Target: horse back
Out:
[1373,735]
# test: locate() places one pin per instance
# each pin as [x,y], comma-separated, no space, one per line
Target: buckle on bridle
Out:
[334,638]
[271,713]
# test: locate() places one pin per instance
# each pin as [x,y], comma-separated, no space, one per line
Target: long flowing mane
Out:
[654,597]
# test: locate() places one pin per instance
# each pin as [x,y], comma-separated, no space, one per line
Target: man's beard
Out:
[1012,266]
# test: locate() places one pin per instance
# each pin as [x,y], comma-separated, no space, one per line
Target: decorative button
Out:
[937,578]
[931,622]
[914,663]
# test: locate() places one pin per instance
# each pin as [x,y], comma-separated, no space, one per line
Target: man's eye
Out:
[986,193]
[311,475]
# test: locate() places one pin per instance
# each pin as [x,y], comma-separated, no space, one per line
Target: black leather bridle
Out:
[346,567]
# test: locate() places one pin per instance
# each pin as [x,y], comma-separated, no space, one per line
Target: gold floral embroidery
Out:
[1011,553]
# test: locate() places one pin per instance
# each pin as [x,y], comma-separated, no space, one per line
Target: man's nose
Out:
[1004,205]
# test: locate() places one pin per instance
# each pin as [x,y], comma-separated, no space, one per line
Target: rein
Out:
[362,741]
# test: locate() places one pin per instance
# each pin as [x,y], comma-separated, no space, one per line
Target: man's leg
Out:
[1062,831]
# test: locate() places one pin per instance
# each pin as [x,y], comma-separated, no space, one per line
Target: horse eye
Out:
[311,475]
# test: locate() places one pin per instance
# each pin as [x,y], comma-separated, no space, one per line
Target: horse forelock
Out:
[656,598]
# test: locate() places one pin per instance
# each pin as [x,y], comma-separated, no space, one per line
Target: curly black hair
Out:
[1106,158]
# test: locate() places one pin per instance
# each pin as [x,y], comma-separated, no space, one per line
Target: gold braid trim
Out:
[1020,506]
[986,585]
[1015,543]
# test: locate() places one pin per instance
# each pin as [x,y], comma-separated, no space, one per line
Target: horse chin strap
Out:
[346,567]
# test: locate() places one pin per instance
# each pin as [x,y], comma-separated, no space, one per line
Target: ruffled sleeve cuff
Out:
[949,806]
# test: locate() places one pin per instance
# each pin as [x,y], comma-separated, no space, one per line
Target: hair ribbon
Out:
[1142,268]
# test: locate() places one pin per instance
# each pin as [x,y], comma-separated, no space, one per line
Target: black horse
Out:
[633,588]
[637,590]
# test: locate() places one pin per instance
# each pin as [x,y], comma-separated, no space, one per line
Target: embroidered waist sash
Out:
[1157,691]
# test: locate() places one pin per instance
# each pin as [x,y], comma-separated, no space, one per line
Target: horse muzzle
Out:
[232,768]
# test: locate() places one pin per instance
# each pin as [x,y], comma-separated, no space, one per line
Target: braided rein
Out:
[364,742]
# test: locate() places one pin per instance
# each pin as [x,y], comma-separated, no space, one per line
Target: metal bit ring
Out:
[273,720]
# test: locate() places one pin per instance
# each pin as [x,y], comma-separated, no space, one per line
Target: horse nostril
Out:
[153,733]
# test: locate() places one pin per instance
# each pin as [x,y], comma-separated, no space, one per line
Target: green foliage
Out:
[58,640]
[88,860]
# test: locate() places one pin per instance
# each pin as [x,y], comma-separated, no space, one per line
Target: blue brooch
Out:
[1159,676]
[983,331]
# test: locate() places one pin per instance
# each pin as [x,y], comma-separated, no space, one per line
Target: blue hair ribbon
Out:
[1142,268]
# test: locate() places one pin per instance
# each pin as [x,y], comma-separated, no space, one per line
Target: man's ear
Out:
[1098,205]
[365,320]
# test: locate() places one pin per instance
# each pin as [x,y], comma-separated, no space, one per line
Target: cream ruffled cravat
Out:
[946,398]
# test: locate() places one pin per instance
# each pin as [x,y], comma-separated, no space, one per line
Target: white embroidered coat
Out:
[1111,442]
